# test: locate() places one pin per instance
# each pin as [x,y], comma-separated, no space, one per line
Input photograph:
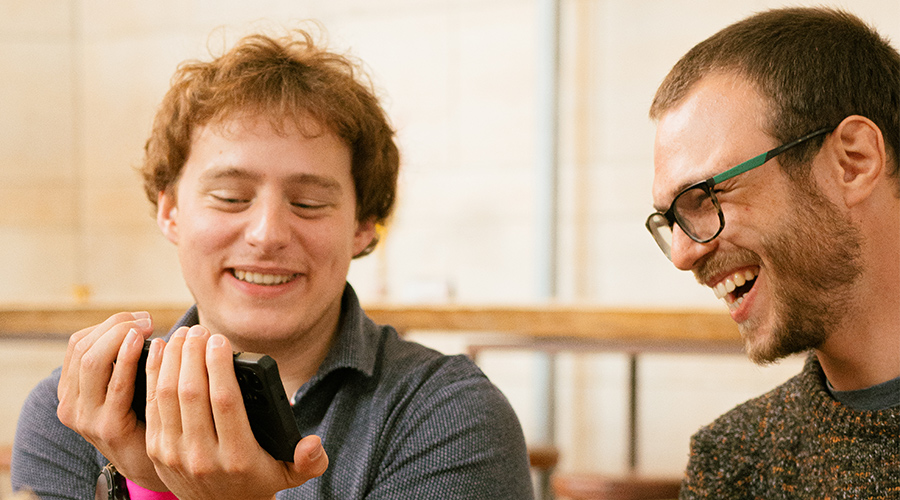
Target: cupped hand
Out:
[96,388]
[198,435]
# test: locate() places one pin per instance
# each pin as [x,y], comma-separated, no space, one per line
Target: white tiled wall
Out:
[81,79]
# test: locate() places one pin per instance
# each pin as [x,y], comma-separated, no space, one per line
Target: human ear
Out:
[166,213]
[365,232]
[858,147]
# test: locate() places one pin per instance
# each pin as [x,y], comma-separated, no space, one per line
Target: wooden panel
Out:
[545,322]
[24,322]
[551,321]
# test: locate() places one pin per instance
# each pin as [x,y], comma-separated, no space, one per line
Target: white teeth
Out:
[263,279]
[735,304]
[729,284]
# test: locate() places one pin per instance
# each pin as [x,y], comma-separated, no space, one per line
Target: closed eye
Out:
[225,199]
[228,202]
[310,209]
[309,205]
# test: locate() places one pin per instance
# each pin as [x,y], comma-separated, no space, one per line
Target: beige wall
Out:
[78,86]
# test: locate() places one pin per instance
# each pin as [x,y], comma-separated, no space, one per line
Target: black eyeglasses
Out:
[696,209]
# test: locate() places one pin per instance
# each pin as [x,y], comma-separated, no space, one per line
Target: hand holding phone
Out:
[265,401]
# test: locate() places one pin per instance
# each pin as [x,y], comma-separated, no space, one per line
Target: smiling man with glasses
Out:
[801,241]
[696,208]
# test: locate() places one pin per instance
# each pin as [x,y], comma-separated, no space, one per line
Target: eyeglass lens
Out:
[661,231]
[696,213]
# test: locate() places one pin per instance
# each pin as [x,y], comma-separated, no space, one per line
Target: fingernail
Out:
[132,337]
[180,333]
[142,323]
[140,315]
[216,341]
[156,348]
[196,331]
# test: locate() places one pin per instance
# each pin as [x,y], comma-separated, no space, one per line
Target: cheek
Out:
[324,241]
[749,221]
[203,233]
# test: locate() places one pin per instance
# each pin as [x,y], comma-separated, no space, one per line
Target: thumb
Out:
[310,459]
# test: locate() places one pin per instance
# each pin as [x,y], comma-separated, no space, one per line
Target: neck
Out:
[855,367]
[865,349]
[300,355]
[298,363]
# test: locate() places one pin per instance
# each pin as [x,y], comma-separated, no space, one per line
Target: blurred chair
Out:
[543,460]
[602,487]
[5,458]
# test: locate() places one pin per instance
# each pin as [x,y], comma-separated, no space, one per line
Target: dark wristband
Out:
[111,485]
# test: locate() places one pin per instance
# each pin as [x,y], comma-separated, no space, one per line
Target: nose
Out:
[269,227]
[685,252]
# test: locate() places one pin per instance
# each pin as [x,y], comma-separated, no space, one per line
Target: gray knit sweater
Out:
[797,442]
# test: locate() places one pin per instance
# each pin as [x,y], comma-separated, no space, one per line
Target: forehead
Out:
[253,147]
[719,124]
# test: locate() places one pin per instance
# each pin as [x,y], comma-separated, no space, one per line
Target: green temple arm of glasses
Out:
[761,159]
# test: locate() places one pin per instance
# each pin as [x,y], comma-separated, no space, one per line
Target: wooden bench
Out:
[5,458]
[601,487]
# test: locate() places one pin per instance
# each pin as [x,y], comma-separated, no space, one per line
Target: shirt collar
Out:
[354,346]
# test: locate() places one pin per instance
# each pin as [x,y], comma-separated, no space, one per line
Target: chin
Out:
[759,343]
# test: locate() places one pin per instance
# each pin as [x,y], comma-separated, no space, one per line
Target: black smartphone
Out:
[268,409]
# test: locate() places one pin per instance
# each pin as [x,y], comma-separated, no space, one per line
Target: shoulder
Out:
[428,389]
[727,456]
[39,409]
[48,457]
[451,429]
[433,375]
[757,418]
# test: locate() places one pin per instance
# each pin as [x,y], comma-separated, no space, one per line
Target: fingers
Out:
[198,434]
[193,389]
[154,362]
[88,364]
[226,400]
[120,392]
[179,418]
[310,460]
[163,370]
[83,340]
[96,389]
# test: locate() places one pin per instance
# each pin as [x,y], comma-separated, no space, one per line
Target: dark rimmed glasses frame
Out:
[696,209]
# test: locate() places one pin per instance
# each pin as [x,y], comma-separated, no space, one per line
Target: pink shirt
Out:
[136,492]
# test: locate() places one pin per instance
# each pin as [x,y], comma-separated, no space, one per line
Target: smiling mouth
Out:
[262,278]
[733,288]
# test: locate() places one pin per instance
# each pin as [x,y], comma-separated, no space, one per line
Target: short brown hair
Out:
[286,78]
[816,66]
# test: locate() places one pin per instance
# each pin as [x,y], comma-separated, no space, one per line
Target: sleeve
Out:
[48,458]
[460,440]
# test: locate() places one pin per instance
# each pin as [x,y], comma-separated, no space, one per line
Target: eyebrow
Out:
[242,174]
[681,187]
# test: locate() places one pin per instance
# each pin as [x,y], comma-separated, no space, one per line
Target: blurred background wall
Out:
[80,80]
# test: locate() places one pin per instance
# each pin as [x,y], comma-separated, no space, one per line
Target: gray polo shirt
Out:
[398,421]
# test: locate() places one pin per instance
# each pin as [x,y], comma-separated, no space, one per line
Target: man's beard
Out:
[814,258]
